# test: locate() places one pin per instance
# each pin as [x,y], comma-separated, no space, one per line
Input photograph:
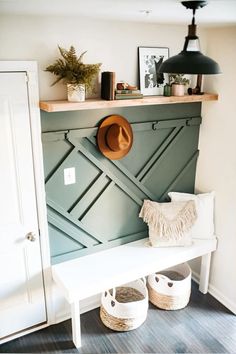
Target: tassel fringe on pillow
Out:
[169,220]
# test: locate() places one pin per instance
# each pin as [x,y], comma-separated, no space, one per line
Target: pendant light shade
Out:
[190,63]
[191,60]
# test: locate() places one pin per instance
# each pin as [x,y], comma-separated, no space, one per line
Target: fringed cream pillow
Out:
[169,223]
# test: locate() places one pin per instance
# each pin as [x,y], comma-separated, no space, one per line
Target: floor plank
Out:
[204,326]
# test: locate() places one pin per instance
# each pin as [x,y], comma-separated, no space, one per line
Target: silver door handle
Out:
[31,236]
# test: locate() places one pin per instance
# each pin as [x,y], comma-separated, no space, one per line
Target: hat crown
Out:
[117,137]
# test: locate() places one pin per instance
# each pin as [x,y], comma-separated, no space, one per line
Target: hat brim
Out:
[101,137]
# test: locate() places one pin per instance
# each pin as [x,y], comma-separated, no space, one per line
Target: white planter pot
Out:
[76,92]
[177,90]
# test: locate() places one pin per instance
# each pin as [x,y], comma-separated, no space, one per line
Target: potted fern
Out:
[74,73]
[178,82]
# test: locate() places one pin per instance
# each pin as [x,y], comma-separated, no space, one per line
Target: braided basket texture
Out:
[125,308]
[170,289]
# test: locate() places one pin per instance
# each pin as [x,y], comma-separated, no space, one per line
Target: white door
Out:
[22,299]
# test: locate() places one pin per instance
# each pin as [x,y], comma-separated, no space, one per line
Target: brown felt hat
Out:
[115,137]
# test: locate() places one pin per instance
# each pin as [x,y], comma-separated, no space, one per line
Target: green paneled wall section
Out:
[101,209]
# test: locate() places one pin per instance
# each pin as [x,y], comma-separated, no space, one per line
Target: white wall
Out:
[114,44]
[216,168]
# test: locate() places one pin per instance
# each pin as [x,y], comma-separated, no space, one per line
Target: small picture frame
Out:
[150,81]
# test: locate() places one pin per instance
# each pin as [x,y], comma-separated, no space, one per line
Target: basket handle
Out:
[110,298]
[144,280]
[113,295]
[163,277]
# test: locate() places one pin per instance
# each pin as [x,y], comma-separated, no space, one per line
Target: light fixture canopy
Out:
[190,60]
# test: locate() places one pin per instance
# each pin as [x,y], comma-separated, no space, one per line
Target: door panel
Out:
[22,301]
[9,210]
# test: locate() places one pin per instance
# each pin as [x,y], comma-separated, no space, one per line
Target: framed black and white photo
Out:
[151,81]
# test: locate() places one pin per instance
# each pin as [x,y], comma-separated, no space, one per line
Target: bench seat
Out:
[92,274]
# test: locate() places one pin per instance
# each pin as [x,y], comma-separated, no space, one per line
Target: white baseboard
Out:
[217,294]
[86,305]
[195,277]
[23,333]
[90,303]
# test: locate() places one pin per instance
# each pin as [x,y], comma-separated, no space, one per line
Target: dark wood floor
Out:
[204,326]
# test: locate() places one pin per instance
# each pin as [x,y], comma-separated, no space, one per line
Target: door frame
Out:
[30,68]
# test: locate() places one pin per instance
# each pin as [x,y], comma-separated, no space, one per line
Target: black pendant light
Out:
[191,60]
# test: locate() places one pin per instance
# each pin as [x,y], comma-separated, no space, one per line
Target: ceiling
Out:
[217,13]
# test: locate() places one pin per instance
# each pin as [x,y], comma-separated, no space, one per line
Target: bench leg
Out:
[75,317]
[204,273]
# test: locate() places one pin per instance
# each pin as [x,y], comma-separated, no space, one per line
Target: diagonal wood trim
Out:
[78,223]
[104,168]
[179,176]
[109,186]
[158,152]
[140,186]
[165,151]
[128,174]
[70,230]
[89,199]
[59,164]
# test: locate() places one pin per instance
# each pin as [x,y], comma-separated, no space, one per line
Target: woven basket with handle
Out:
[125,308]
[170,289]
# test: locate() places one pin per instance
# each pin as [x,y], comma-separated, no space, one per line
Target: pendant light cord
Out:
[193,19]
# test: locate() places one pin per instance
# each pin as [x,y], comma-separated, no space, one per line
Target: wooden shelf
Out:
[62,106]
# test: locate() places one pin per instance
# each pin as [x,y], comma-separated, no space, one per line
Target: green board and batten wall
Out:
[101,209]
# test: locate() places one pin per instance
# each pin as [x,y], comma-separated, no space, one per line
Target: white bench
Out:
[89,275]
